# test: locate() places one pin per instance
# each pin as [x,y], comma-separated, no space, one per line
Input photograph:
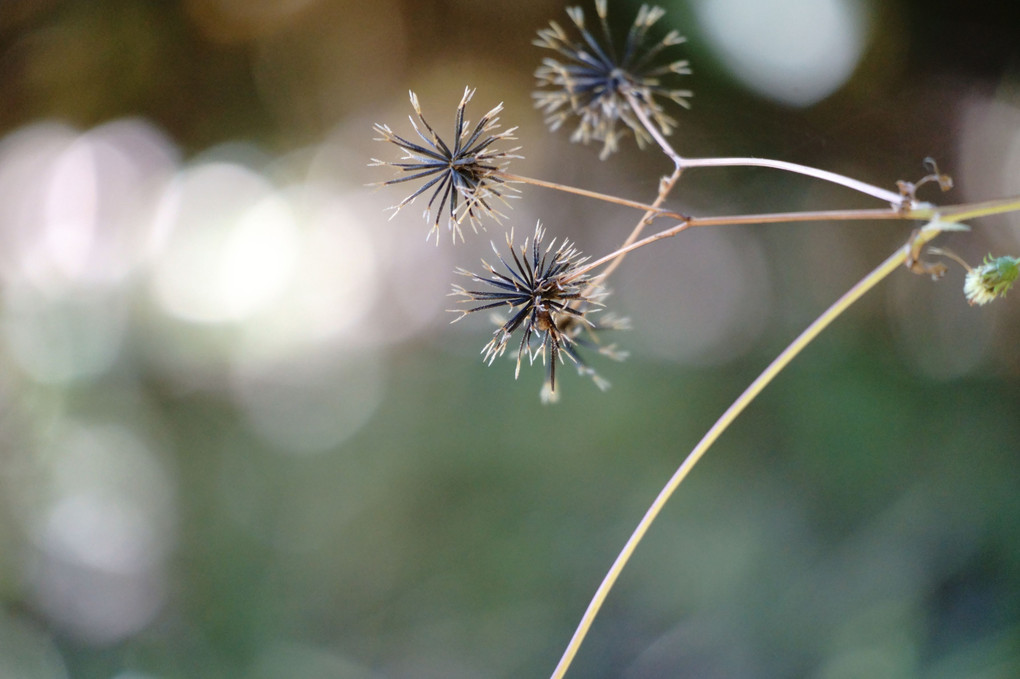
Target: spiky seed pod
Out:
[599,85]
[549,299]
[465,177]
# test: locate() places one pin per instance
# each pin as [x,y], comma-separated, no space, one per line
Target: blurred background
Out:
[239,438]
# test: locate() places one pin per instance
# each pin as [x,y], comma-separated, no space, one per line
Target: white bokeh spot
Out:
[796,52]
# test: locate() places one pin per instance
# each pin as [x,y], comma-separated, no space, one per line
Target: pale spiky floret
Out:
[599,85]
[464,178]
[990,280]
[550,299]
[586,333]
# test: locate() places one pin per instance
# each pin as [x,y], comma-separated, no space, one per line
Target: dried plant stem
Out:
[727,418]
[890,197]
[811,216]
[666,185]
[638,109]
[948,214]
[652,211]
[967,211]
[683,163]
[815,216]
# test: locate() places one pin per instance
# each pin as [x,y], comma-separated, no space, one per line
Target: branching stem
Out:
[949,214]
[682,163]
[654,210]
[941,220]
[665,186]
[878,192]
[781,361]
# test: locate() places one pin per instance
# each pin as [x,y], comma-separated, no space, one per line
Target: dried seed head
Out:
[465,177]
[550,300]
[599,84]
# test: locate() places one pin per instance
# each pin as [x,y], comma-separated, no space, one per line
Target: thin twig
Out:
[654,210]
[890,197]
[948,214]
[774,217]
[639,110]
[666,185]
[683,163]
[967,211]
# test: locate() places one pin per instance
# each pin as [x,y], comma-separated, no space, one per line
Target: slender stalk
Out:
[967,211]
[781,361]
[863,187]
[666,185]
[620,252]
[638,109]
[949,214]
[811,216]
[683,163]
[651,211]
[815,216]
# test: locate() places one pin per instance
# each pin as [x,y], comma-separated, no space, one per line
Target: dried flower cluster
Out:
[611,92]
[465,177]
[549,296]
[601,86]
[609,89]
[547,300]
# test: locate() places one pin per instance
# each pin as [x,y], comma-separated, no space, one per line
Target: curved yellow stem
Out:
[781,361]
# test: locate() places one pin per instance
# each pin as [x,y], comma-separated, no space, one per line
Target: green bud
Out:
[992,279]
